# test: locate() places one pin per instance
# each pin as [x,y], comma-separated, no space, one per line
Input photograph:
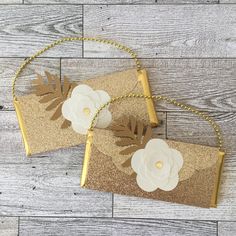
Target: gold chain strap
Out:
[203,115]
[119,46]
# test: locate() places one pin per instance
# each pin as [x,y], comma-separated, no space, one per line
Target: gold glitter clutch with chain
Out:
[127,158]
[122,154]
[44,117]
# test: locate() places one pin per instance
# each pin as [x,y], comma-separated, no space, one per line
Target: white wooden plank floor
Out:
[189,49]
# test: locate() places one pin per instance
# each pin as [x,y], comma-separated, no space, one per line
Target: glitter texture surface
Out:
[197,190]
[196,157]
[43,134]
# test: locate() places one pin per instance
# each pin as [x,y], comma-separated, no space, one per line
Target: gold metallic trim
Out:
[215,193]
[87,155]
[143,78]
[22,126]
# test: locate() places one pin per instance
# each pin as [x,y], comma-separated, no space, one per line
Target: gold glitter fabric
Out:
[198,189]
[43,134]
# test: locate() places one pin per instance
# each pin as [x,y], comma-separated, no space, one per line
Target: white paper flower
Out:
[157,166]
[81,107]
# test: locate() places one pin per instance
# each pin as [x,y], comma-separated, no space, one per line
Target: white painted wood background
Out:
[189,49]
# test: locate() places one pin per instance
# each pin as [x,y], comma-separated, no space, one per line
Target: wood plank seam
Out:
[118,4]
[18,226]
[115,218]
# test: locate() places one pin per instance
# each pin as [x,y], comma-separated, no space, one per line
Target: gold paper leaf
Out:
[125,141]
[117,128]
[140,128]
[38,80]
[65,124]
[40,87]
[47,98]
[134,175]
[57,113]
[130,150]
[147,136]
[124,133]
[66,87]
[132,133]
[132,124]
[127,163]
[50,77]
[54,104]
[54,93]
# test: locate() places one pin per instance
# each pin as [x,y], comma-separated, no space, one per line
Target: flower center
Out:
[86,111]
[159,164]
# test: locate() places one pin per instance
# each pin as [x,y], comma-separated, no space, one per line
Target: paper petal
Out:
[137,160]
[66,109]
[104,119]
[104,96]
[146,184]
[170,185]
[87,91]
[79,129]
[177,157]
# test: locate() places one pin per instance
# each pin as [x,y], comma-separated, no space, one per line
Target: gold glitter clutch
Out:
[128,159]
[40,113]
